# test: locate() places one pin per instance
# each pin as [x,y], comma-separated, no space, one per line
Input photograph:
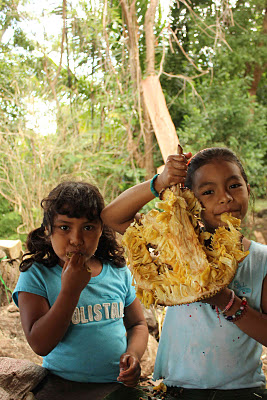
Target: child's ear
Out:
[248,187]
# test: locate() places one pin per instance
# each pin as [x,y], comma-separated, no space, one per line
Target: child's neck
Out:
[96,266]
[246,243]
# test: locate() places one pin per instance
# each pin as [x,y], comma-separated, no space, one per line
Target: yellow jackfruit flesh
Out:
[168,256]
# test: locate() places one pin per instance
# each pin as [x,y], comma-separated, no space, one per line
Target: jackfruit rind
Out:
[169,257]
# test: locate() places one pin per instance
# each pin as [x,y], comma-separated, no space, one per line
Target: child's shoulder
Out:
[113,267]
[39,269]
[257,253]
[33,268]
[122,272]
[258,247]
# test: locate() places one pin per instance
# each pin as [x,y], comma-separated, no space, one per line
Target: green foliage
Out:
[37,164]
[15,67]
[96,107]
[21,40]
[9,221]
[8,13]
[229,119]
[223,114]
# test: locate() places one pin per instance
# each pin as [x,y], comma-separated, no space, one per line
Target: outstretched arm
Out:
[137,337]
[121,212]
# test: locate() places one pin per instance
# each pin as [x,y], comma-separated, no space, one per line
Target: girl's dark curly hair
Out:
[206,156]
[76,200]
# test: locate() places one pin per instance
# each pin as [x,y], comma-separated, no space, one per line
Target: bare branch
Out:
[162,60]
[190,81]
[107,46]
[64,12]
[183,51]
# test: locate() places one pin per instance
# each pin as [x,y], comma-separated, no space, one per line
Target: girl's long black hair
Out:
[206,156]
[76,200]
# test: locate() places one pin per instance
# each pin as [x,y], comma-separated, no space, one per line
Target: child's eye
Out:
[235,185]
[64,227]
[88,227]
[207,192]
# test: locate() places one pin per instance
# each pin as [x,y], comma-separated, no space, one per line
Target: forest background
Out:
[71,99]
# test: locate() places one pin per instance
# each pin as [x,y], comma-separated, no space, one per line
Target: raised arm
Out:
[120,213]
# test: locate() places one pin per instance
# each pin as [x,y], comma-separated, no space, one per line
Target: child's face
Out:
[220,188]
[74,235]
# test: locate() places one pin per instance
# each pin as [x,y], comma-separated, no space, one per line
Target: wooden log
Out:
[160,117]
[9,274]
[12,248]
[10,257]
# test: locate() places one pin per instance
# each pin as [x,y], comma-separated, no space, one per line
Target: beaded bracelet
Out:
[152,188]
[239,313]
[229,305]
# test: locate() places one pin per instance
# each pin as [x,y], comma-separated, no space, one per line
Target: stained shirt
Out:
[199,351]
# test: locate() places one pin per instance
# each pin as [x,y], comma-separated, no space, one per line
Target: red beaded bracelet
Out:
[239,313]
[228,306]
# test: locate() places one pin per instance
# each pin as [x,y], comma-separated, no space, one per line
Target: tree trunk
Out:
[258,69]
[148,131]
[129,13]
[150,40]
[257,74]
[150,70]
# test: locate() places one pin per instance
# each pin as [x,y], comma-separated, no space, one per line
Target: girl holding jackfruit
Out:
[204,354]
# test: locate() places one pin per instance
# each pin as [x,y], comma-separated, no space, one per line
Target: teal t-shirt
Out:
[96,338]
[198,351]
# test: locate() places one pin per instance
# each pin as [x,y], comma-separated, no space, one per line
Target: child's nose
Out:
[225,197]
[76,238]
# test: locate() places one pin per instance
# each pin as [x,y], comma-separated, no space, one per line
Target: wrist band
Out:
[239,314]
[153,190]
[229,305]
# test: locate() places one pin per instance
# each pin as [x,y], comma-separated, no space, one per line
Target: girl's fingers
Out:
[176,162]
[77,261]
[130,371]
[130,380]
[75,274]
[174,172]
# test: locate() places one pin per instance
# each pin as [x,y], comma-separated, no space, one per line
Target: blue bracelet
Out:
[153,190]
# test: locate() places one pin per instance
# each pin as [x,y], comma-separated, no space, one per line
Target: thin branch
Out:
[107,46]
[162,61]
[183,51]
[190,81]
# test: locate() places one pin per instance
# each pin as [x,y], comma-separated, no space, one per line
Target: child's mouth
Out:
[69,254]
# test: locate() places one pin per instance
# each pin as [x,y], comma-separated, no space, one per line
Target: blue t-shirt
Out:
[197,351]
[96,338]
